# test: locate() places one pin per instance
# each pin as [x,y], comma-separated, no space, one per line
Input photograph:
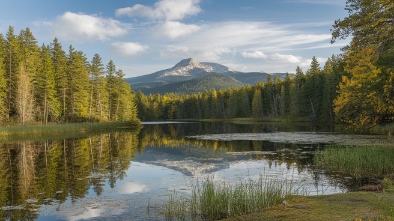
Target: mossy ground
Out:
[353,206]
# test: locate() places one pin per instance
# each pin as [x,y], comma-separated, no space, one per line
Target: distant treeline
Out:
[308,95]
[44,84]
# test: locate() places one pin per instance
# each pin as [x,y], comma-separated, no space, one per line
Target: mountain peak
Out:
[186,62]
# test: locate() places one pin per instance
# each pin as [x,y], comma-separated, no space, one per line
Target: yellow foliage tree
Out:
[361,95]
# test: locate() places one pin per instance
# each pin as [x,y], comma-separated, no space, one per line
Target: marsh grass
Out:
[9,133]
[211,200]
[384,129]
[374,161]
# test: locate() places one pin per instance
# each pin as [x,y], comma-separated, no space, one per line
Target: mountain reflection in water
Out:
[128,174]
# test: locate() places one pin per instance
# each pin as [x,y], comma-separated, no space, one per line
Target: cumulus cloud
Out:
[254,54]
[173,10]
[127,49]
[82,27]
[286,58]
[174,29]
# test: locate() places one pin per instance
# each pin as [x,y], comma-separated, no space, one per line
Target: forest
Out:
[47,85]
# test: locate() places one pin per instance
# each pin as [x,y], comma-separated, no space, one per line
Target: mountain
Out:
[211,81]
[190,76]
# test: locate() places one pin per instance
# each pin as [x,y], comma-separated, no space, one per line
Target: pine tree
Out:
[312,90]
[45,92]
[11,63]
[78,78]
[111,87]
[98,104]
[59,60]
[257,104]
[3,83]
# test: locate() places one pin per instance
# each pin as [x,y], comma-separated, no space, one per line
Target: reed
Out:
[374,161]
[211,200]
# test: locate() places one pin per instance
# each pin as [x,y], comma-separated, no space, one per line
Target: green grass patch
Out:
[36,132]
[353,206]
[384,129]
[372,161]
[211,200]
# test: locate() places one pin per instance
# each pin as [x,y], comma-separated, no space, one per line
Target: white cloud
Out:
[274,57]
[82,27]
[174,29]
[286,58]
[163,9]
[214,40]
[201,53]
[127,49]
[254,54]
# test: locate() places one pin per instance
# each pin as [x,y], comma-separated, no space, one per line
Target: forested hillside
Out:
[46,84]
[308,95]
[205,83]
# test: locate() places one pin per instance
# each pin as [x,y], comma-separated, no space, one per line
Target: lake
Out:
[128,175]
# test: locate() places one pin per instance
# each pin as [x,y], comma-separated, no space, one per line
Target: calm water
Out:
[127,175]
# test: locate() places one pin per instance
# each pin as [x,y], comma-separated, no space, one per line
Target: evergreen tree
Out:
[3,83]
[257,104]
[98,104]
[45,92]
[78,93]
[312,90]
[11,62]
[59,60]
[111,89]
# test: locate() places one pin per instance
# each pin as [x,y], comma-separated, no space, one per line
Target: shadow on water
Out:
[113,174]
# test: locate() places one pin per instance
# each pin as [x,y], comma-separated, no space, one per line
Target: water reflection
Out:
[118,174]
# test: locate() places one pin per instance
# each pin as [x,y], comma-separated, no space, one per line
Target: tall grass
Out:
[213,201]
[375,161]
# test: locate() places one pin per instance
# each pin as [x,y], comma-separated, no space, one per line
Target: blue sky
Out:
[144,36]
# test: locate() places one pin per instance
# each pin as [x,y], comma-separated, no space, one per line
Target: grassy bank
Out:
[375,161]
[354,206]
[214,201]
[21,132]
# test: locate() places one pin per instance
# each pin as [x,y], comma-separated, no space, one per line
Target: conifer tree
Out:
[3,83]
[59,60]
[312,90]
[78,78]
[11,63]
[111,89]
[257,104]
[45,92]
[98,104]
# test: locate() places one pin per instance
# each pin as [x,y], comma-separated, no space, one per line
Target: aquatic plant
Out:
[372,161]
[211,200]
